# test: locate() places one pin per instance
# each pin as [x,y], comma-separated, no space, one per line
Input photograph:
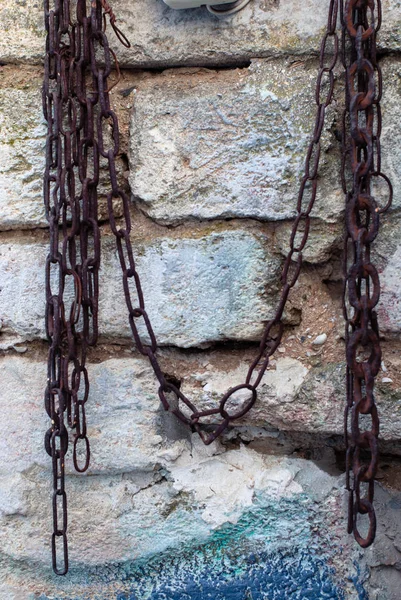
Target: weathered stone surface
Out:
[324,240]
[163,37]
[193,155]
[386,255]
[125,412]
[316,403]
[391,135]
[210,144]
[124,409]
[207,144]
[119,389]
[122,526]
[293,396]
[22,150]
[198,289]
[390,304]
[163,494]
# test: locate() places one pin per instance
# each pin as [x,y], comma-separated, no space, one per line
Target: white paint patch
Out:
[285,380]
[226,484]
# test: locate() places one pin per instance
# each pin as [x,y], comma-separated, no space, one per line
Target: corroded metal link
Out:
[361,166]
[181,406]
[73,106]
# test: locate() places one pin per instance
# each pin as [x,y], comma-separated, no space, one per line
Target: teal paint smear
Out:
[271,553]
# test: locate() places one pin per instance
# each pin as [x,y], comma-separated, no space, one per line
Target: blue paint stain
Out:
[277,577]
[270,554]
[357,580]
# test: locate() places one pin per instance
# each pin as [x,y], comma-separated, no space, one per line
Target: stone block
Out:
[198,289]
[162,37]
[387,256]
[293,397]
[22,150]
[224,144]
[123,413]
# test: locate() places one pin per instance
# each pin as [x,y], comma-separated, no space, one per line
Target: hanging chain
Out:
[75,105]
[362,122]
[83,132]
[178,403]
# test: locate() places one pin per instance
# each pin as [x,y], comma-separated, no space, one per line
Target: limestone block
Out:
[125,540]
[389,308]
[212,144]
[391,135]
[114,522]
[123,414]
[386,256]
[22,150]
[124,410]
[292,397]
[208,144]
[324,239]
[198,289]
[161,36]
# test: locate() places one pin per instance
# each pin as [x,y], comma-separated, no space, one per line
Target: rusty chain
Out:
[361,170]
[178,403]
[75,102]
[83,131]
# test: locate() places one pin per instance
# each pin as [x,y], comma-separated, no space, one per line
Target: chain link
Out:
[361,166]
[171,396]
[75,106]
[83,130]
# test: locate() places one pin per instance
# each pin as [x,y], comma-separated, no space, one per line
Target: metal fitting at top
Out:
[216,7]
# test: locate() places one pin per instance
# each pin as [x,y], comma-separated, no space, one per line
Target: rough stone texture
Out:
[22,142]
[124,403]
[164,37]
[198,289]
[388,255]
[165,494]
[22,147]
[325,240]
[210,144]
[261,513]
[204,144]
[294,396]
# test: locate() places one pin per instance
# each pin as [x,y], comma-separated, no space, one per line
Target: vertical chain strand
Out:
[71,107]
[361,20]
[56,394]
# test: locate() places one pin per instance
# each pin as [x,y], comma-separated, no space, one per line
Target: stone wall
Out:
[215,118]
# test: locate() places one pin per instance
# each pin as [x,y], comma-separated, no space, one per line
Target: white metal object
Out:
[230,9]
[179,4]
